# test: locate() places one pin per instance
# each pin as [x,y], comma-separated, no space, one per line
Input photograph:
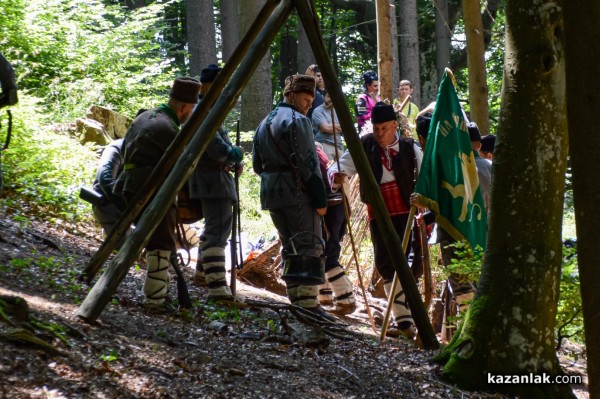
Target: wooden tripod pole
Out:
[405,239]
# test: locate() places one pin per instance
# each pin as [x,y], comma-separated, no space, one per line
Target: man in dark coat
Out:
[146,141]
[212,183]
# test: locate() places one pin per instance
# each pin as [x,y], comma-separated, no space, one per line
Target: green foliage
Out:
[73,54]
[45,168]
[569,318]
[465,264]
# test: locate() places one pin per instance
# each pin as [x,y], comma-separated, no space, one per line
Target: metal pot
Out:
[304,269]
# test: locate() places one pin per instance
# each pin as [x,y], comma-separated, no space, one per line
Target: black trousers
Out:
[164,237]
[383,260]
[335,226]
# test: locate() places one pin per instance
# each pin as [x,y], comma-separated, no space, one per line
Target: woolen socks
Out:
[156,285]
[213,261]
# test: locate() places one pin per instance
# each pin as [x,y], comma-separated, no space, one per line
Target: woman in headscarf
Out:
[367,100]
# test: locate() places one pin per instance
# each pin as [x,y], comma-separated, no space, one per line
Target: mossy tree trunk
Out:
[582,51]
[509,328]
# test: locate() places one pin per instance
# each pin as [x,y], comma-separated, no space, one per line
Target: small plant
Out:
[466,264]
[273,326]
[223,314]
[111,357]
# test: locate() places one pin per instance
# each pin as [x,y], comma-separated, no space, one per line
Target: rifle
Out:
[236,222]
[183,296]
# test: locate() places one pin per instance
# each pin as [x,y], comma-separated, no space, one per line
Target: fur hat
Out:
[185,89]
[299,84]
[382,113]
[208,74]
[423,122]
[474,134]
[487,143]
[369,77]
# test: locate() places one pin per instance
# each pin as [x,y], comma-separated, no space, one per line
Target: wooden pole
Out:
[170,157]
[107,284]
[308,16]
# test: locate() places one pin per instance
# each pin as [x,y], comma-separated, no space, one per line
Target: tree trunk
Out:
[409,46]
[175,34]
[202,44]
[305,54]
[488,18]
[583,102]
[395,54]
[509,328]
[478,91]
[442,38]
[384,49]
[288,48]
[257,97]
[230,27]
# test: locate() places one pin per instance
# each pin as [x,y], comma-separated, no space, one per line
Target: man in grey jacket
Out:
[292,188]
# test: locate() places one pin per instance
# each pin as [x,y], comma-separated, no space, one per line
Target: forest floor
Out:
[256,350]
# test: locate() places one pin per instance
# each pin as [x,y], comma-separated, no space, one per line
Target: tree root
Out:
[24,336]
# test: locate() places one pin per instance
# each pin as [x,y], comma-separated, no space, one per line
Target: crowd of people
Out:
[298,152]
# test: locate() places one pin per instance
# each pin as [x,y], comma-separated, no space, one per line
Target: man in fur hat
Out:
[145,143]
[292,188]
[394,160]
[212,183]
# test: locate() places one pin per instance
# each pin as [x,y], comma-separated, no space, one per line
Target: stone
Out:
[115,124]
[91,131]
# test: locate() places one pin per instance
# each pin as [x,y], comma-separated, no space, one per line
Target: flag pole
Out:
[388,310]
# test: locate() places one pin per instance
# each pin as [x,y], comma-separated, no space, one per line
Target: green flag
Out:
[448,183]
